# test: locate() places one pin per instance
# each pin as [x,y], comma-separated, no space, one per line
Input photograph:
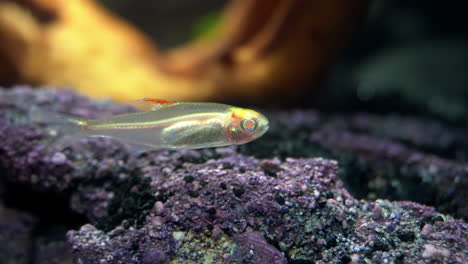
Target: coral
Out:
[221,205]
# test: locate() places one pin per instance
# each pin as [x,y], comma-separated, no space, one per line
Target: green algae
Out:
[201,247]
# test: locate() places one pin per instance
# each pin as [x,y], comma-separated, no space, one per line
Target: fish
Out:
[179,125]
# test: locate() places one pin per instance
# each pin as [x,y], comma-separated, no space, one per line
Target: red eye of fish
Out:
[248,124]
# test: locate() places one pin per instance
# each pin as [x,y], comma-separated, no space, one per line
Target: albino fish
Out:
[179,125]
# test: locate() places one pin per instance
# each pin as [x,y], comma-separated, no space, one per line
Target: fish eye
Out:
[248,124]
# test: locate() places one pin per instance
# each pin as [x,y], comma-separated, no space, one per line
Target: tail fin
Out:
[64,130]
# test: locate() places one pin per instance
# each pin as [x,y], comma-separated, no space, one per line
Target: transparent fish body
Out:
[181,126]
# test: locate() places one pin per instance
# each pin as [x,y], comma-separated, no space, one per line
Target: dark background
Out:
[410,57]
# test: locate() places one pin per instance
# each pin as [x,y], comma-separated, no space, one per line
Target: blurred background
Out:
[408,55]
[378,56]
[169,23]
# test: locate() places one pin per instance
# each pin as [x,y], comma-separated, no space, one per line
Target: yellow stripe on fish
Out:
[180,125]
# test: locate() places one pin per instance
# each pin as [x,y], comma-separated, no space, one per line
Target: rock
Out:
[233,204]
[16,238]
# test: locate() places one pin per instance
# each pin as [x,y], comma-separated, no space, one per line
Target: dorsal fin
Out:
[151,104]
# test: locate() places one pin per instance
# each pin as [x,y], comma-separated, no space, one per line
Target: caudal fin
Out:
[63,129]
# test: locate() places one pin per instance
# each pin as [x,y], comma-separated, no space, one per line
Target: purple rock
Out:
[253,246]
[58,158]
[211,205]
[155,256]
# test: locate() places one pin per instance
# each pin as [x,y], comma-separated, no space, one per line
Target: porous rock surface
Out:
[218,205]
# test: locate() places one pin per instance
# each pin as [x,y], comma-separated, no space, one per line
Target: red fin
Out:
[150,104]
[157,101]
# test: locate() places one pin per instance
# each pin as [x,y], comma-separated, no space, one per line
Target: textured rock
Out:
[254,248]
[224,206]
[393,157]
[422,177]
[303,211]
